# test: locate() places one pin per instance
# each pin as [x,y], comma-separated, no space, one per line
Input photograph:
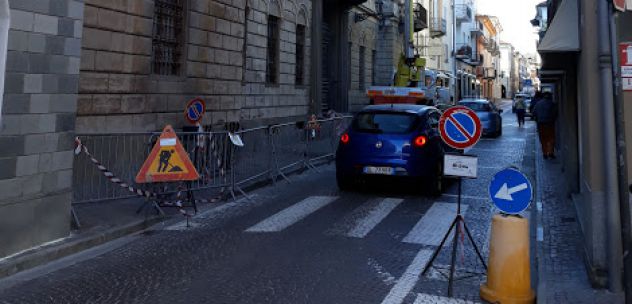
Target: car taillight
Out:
[420,141]
[344,138]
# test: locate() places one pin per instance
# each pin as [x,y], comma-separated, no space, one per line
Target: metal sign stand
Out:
[457,222]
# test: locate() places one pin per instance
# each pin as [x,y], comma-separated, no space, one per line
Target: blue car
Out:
[396,141]
[488,113]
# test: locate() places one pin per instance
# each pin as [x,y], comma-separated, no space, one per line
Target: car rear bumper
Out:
[402,167]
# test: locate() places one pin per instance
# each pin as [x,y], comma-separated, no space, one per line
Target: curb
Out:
[541,284]
[41,256]
[80,242]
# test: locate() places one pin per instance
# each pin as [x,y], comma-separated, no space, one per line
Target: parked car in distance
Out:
[393,141]
[488,113]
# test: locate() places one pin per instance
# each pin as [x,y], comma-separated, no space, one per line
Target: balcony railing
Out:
[463,51]
[438,27]
[476,59]
[463,12]
[421,18]
[477,29]
[349,3]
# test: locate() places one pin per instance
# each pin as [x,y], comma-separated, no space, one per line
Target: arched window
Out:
[4,38]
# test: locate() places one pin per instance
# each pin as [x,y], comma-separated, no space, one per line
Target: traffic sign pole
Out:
[460,128]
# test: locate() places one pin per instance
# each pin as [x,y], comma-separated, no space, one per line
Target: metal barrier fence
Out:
[267,154]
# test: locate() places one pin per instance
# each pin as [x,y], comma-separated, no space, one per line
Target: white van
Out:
[525,96]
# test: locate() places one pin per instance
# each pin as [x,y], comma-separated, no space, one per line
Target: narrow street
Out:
[304,242]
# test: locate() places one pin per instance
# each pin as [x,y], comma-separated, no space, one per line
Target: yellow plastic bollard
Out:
[508,272]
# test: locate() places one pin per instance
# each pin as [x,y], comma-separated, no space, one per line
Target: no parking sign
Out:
[460,127]
[195,110]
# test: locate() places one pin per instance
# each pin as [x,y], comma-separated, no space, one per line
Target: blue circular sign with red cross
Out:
[460,127]
[195,110]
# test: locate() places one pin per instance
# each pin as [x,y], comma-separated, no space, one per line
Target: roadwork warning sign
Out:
[167,161]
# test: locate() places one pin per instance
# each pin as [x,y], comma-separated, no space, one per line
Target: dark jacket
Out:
[545,111]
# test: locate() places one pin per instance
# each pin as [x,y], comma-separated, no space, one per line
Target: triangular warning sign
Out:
[167,162]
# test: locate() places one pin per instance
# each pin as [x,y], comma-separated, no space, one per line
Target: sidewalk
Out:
[101,222]
[562,276]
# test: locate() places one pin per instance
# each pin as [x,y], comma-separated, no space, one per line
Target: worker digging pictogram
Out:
[167,161]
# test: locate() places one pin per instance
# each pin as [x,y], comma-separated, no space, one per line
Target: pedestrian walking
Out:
[534,101]
[521,109]
[545,113]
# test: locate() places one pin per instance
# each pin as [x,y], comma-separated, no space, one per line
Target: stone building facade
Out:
[102,66]
[363,51]
[220,54]
[38,119]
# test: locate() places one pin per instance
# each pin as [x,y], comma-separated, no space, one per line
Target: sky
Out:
[514,16]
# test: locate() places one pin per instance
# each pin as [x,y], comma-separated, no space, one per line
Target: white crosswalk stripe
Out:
[434,224]
[432,299]
[374,217]
[408,280]
[292,214]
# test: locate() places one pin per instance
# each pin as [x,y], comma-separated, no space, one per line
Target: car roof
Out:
[400,108]
[474,100]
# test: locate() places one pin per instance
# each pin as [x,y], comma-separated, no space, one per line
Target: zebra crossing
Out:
[428,230]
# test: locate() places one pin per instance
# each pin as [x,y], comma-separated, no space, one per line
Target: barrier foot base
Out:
[153,205]
[242,193]
[75,219]
[281,174]
[309,166]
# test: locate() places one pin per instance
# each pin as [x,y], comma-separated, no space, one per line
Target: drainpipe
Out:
[316,77]
[454,68]
[613,216]
[622,173]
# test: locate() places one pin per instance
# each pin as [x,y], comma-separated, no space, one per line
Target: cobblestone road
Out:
[304,242]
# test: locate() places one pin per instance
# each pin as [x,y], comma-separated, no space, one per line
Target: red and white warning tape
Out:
[147,194]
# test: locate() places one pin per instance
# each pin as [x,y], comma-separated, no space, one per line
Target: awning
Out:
[442,75]
[563,33]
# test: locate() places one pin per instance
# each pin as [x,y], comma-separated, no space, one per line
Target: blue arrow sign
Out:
[511,191]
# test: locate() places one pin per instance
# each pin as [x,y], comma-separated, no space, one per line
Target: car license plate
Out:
[378,170]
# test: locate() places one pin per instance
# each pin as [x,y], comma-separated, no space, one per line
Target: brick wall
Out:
[38,122]
[118,92]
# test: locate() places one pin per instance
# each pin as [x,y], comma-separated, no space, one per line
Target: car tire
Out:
[344,182]
[499,132]
[435,183]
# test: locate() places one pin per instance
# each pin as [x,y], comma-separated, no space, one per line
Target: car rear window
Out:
[477,106]
[389,123]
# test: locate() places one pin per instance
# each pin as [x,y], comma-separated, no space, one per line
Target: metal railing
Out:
[267,153]
[438,27]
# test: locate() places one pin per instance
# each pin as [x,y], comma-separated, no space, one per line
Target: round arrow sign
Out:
[511,191]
